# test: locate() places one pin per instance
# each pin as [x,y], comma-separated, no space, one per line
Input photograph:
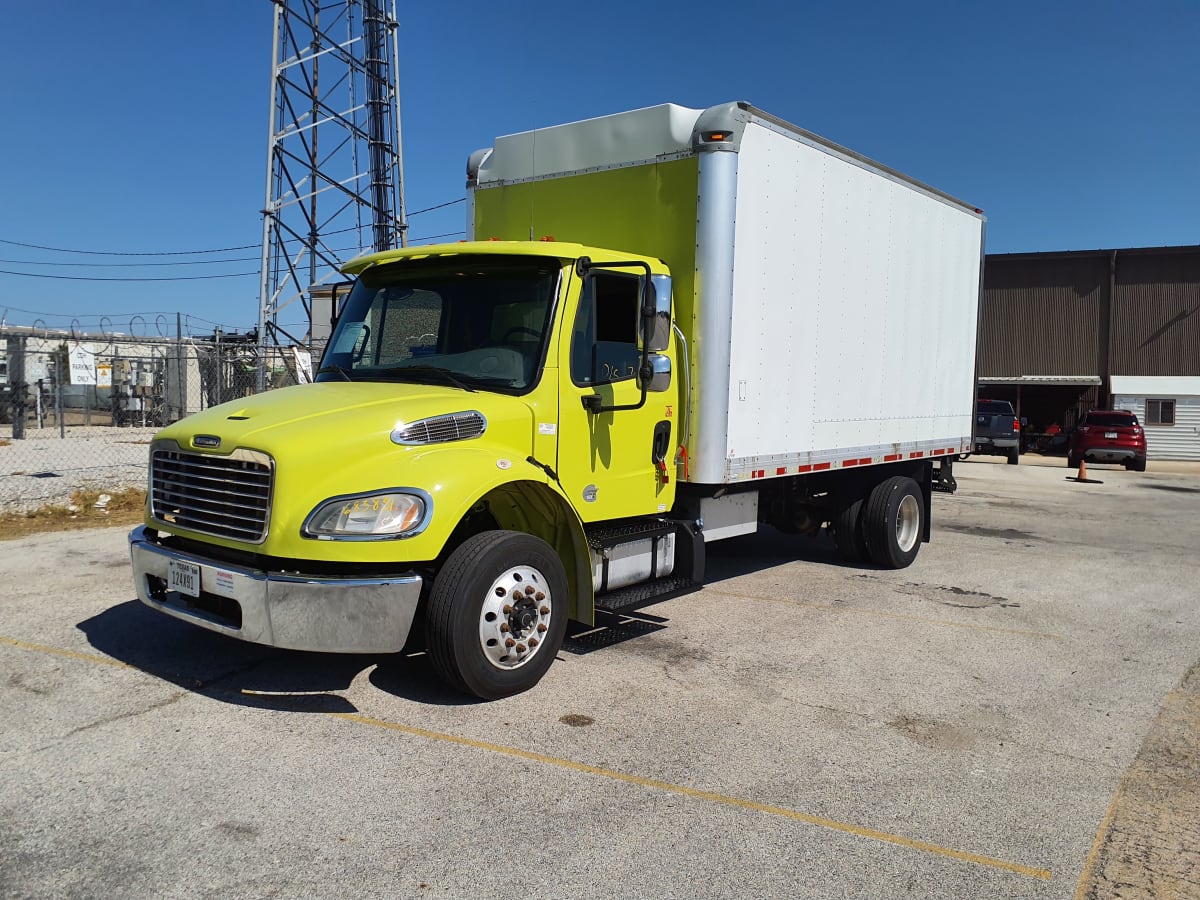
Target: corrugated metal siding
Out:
[1178,441]
[1156,313]
[1042,316]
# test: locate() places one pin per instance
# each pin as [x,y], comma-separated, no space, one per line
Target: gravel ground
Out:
[46,469]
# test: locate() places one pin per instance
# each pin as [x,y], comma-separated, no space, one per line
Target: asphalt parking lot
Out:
[1012,716]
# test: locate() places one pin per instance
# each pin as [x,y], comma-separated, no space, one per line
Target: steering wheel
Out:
[519,329]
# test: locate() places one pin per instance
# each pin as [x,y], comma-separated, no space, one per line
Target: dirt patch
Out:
[576,720]
[1149,843]
[933,734]
[85,509]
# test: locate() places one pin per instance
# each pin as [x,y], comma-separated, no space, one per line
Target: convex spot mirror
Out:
[660,374]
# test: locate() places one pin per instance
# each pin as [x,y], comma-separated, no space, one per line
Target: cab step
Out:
[628,598]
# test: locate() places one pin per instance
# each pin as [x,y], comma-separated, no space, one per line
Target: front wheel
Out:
[497,614]
[894,522]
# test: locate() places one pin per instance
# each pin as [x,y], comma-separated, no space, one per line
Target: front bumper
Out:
[296,612]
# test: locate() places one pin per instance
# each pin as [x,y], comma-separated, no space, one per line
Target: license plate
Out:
[183,577]
[1110,435]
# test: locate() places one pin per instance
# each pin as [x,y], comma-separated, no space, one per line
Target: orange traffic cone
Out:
[1082,476]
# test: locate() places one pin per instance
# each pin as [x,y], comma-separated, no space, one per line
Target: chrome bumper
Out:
[334,615]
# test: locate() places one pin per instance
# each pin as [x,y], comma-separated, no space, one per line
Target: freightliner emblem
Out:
[208,441]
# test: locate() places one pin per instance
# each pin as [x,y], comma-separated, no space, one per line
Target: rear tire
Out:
[848,533]
[1136,465]
[1072,461]
[1014,457]
[893,522]
[498,586]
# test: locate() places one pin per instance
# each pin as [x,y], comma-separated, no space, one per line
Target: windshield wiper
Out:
[444,374]
[338,369]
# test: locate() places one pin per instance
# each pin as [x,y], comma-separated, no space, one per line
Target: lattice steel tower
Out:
[335,177]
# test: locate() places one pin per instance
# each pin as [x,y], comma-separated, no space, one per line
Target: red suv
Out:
[1109,436]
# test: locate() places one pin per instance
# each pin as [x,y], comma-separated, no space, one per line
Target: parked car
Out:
[997,431]
[1109,436]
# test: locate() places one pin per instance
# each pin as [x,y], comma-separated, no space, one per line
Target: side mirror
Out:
[659,378]
[656,314]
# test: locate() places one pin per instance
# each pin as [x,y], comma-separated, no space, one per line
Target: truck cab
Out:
[478,407]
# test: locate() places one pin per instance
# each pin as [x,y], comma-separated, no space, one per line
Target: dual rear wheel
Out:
[885,527]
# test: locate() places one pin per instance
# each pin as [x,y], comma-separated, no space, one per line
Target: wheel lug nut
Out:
[539,596]
[541,629]
[509,642]
[517,595]
[533,642]
[545,610]
[528,589]
[504,626]
[521,648]
[507,610]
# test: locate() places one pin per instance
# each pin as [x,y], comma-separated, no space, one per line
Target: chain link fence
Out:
[77,412]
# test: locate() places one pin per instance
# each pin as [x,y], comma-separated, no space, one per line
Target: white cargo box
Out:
[829,304]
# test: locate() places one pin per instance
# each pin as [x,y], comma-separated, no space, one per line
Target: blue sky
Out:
[142,127]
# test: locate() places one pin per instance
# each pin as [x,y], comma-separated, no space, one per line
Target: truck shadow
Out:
[250,675]
[242,674]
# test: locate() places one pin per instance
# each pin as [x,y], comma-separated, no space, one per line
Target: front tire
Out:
[894,522]
[497,614]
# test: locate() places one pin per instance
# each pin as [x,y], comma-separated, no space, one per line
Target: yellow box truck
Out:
[668,327]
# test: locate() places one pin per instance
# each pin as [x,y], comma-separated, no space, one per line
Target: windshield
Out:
[470,322]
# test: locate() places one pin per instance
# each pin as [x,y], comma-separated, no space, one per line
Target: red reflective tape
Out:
[846,463]
[916,455]
[805,468]
[821,467]
[782,470]
[892,457]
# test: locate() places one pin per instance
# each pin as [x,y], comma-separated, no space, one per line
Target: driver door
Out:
[606,461]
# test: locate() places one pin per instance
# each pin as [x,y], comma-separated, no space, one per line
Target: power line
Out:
[85,278]
[127,253]
[439,206]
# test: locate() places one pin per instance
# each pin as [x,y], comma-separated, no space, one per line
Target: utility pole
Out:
[335,173]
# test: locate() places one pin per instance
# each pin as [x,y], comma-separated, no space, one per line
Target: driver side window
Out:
[604,342]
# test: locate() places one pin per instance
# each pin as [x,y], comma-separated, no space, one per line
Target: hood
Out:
[307,418]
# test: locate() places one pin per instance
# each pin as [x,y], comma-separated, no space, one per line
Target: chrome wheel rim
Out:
[515,617]
[908,523]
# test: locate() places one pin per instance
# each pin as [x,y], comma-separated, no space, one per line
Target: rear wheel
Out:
[1014,457]
[497,614]
[1072,461]
[1136,465]
[894,522]
[848,534]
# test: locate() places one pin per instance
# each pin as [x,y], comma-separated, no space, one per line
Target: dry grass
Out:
[124,507]
[4,442]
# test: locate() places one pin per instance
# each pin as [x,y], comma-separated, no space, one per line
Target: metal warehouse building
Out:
[1063,333]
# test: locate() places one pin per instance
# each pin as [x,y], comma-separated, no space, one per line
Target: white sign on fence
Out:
[304,374]
[83,364]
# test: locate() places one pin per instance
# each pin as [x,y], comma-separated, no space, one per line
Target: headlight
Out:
[388,514]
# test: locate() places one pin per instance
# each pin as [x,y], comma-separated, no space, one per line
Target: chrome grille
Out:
[225,496]
[440,429]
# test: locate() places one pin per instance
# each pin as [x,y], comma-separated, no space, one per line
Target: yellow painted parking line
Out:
[724,799]
[69,654]
[695,793]
[886,615]
[1089,864]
